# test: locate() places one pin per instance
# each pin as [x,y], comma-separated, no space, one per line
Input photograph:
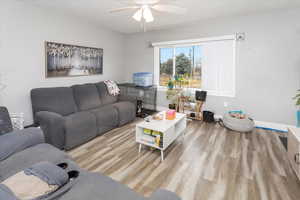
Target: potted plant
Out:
[170,84]
[297,98]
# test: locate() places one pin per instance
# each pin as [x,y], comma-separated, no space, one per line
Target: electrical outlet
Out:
[225,104]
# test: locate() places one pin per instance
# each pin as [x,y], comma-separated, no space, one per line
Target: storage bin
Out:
[143,79]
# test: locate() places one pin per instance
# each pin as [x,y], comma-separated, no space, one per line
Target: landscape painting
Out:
[63,60]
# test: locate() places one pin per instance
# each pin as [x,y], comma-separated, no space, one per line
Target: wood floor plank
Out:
[211,163]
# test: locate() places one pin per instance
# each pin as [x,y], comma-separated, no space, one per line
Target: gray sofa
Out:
[71,116]
[22,149]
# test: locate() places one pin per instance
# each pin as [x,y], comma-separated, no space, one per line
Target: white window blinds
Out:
[218,61]
[218,67]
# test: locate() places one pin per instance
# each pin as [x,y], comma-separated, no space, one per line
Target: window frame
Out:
[187,43]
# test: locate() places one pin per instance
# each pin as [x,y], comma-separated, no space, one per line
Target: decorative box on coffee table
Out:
[160,134]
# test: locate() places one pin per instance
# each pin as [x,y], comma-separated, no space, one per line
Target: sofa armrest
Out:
[53,125]
[163,195]
[19,140]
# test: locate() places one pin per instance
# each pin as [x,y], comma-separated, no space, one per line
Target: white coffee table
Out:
[169,129]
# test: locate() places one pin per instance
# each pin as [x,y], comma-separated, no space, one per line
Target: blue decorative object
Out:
[298,118]
[143,79]
[236,112]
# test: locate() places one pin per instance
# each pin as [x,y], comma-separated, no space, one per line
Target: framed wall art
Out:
[64,60]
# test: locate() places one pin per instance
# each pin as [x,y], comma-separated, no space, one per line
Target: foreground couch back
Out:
[24,148]
[70,116]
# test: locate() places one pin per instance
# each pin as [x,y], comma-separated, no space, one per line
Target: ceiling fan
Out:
[144,9]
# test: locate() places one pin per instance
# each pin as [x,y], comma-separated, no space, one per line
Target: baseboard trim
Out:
[283,128]
[272,126]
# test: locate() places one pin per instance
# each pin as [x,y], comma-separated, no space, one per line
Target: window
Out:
[207,64]
[166,68]
[182,61]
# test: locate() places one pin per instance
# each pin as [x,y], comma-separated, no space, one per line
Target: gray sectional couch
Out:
[71,116]
[22,149]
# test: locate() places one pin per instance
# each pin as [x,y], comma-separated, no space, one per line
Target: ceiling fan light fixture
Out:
[147,14]
[138,15]
[144,9]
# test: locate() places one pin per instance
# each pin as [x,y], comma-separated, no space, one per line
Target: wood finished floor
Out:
[211,163]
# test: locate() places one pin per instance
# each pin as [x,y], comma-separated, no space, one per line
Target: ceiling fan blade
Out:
[146,2]
[123,9]
[169,8]
[139,2]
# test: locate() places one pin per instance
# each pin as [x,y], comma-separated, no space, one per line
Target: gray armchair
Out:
[5,122]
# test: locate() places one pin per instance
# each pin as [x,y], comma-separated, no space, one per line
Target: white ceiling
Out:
[97,11]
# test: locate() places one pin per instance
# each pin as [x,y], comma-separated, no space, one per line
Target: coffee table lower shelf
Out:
[170,130]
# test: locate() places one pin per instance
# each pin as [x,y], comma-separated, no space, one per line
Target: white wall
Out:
[23,30]
[268,62]
[268,66]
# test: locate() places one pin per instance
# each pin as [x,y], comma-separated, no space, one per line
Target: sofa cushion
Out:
[79,128]
[106,98]
[107,118]
[126,111]
[59,100]
[29,157]
[86,96]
